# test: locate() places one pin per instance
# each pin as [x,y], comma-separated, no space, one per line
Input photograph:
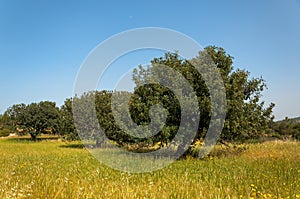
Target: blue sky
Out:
[43,43]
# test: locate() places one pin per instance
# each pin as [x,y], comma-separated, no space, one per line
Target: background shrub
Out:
[4,132]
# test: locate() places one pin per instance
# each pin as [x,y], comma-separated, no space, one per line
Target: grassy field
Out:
[49,169]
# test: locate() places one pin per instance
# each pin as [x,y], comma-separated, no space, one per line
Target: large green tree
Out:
[247,116]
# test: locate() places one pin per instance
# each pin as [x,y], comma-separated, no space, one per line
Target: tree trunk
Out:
[33,136]
[98,143]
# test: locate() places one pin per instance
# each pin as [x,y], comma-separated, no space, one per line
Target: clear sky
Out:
[43,43]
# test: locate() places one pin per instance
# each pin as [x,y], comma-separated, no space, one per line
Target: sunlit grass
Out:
[48,170]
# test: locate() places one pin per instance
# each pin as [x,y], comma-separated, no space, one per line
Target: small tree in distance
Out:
[35,118]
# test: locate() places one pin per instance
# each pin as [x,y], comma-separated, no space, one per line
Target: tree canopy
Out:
[247,117]
[35,118]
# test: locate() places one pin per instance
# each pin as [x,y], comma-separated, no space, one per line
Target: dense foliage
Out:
[246,116]
[35,118]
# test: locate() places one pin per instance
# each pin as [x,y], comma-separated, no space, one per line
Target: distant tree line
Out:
[247,116]
[287,128]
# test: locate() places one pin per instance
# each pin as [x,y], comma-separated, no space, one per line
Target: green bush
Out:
[277,135]
[4,132]
[297,136]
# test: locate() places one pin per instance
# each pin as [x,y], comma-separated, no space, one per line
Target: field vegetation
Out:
[55,169]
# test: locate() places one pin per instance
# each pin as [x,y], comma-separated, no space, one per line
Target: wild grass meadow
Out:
[51,169]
